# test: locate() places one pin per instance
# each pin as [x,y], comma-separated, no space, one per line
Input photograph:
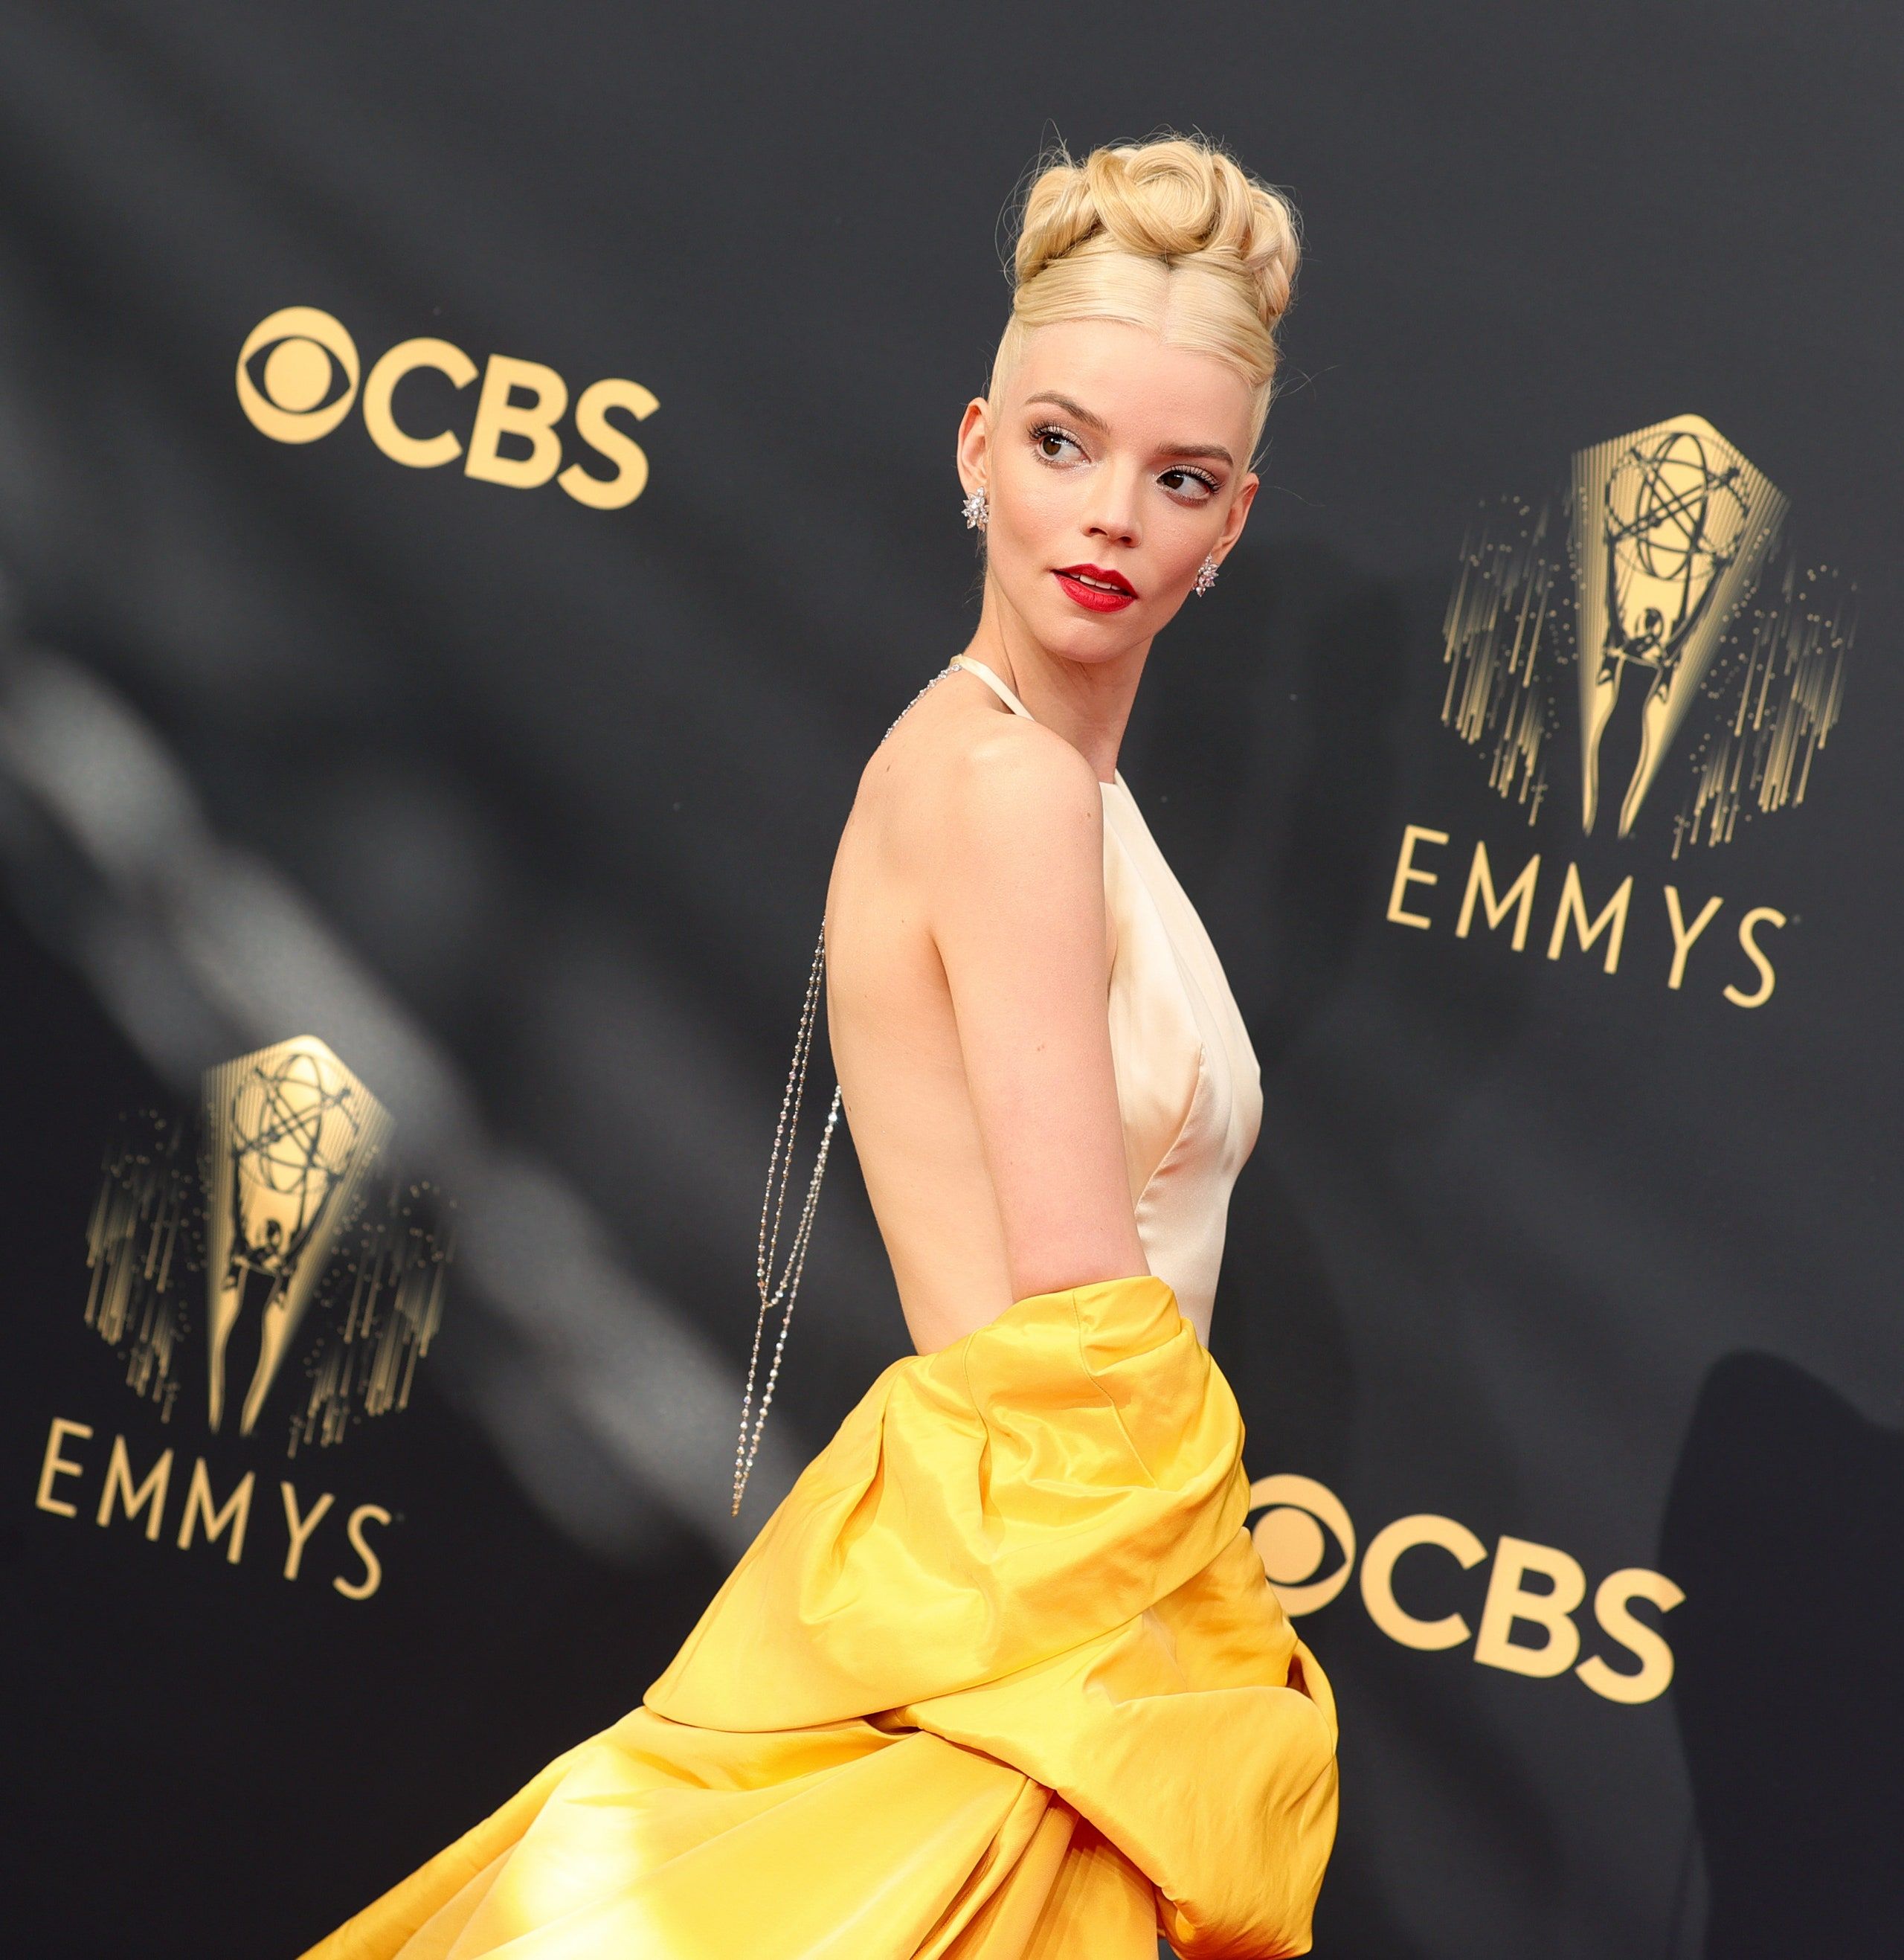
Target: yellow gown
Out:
[1002,1678]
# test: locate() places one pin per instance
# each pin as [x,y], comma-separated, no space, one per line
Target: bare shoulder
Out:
[972,791]
[1017,781]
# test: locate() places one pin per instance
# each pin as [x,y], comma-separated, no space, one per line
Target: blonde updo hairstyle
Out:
[1171,235]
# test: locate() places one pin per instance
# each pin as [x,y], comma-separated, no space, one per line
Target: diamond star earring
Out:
[978,511]
[1205,575]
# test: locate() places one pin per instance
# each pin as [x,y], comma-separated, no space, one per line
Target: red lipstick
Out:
[1096,590]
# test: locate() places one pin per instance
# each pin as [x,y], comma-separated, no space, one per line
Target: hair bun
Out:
[1175,199]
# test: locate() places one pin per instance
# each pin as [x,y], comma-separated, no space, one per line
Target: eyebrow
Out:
[1214,451]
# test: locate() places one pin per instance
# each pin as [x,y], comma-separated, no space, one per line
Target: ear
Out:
[1239,512]
[974,444]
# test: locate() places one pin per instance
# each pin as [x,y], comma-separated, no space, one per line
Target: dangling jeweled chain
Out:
[773,1205]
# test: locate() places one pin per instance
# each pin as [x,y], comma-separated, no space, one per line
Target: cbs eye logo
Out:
[299,375]
[1289,1539]
[1530,1588]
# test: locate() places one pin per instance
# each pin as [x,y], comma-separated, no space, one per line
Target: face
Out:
[1113,464]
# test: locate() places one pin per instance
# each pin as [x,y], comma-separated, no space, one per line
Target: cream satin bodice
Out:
[1189,1087]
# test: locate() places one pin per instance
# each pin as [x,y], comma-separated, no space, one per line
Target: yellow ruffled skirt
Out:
[1001,1679]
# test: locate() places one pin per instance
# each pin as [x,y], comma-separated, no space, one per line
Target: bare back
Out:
[967,967]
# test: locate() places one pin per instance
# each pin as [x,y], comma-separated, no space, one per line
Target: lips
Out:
[1095,589]
[1095,574]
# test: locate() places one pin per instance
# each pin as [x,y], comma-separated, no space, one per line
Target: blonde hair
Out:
[1170,234]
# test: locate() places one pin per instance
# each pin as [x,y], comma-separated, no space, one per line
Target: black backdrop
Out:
[526,807]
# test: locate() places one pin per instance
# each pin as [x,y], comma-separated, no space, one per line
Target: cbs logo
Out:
[298,377]
[1295,1517]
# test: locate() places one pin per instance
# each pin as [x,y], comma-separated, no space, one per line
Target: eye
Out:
[1055,445]
[1194,486]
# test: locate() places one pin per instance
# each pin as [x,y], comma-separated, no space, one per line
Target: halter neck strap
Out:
[1011,700]
[991,680]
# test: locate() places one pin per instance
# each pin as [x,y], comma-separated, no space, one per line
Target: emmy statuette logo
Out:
[1708,671]
[292,1133]
[261,1270]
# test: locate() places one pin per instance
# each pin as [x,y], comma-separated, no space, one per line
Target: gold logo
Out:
[306,374]
[278,1213]
[297,379]
[1289,1539]
[1663,577]
[270,1219]
[1521,1629]
[292,1132]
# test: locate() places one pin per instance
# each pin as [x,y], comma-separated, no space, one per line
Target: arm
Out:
[1017,918]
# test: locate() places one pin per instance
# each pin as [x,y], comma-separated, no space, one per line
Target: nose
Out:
[1111,512]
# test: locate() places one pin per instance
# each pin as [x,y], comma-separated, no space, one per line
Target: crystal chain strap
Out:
[773,1205]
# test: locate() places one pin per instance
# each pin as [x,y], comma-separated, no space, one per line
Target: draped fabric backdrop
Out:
[475,484]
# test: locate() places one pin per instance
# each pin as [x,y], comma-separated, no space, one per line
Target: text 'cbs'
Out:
[299,376]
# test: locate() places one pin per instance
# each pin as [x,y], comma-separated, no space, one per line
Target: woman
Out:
[1002,1678]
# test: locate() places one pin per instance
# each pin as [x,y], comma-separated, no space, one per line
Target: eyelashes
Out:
[1196,475]
[1052,432]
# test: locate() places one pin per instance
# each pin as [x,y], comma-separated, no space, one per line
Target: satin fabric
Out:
[1190,1089]
[1001,1679]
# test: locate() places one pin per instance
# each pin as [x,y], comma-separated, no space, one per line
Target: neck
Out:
[1088,702]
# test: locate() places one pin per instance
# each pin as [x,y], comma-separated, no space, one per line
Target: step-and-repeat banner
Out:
[475,484]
